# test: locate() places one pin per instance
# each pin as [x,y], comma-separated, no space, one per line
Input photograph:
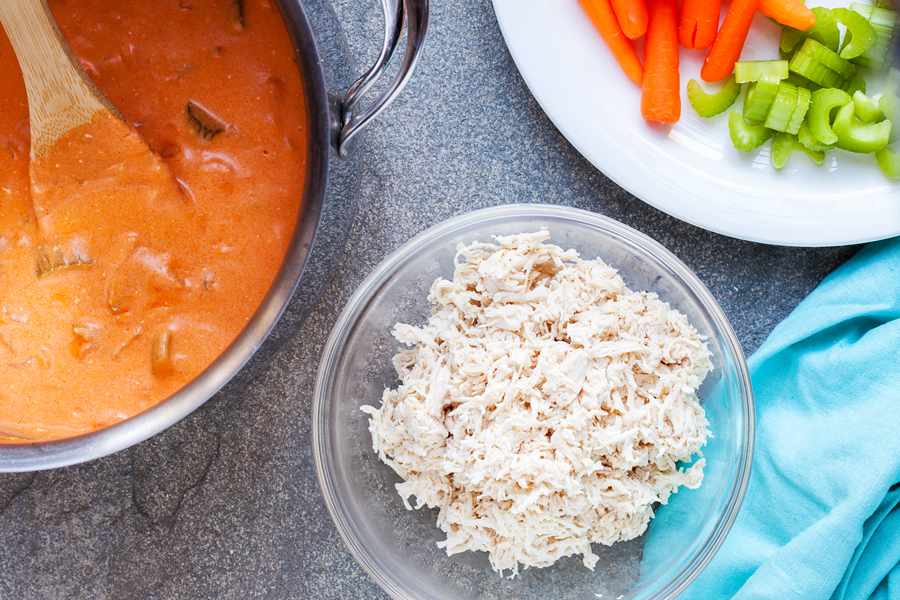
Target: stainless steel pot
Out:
[334,123]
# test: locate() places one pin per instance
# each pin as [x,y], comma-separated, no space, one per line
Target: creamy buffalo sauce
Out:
[119,281]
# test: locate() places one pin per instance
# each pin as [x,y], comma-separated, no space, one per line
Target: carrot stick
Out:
[632,16]
[661,92]
[792,13]
[726,49]
[698,23]
[603,18]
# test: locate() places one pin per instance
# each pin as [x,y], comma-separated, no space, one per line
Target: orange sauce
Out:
[119,280]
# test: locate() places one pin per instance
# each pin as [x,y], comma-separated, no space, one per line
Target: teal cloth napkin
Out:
[820,520]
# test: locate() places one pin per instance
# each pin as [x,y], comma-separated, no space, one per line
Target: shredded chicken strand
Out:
[544,407]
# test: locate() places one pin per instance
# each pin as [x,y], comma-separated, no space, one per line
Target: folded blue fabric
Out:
[820,519]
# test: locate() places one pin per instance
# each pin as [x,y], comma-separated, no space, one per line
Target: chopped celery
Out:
[753,70]
[814,50]
[802,82]
[746,137]
[786,101]
[818,117]
[56,258]
[790,41]
[820,103]
[798,117]
[854,136]
[889,161]
[856,84]
[816,72]
[161,364]
[866,109]
[860,33]
[817,63]
[825,31]
[890,106]
[760,96]
[203,122]
[809,140]
[783,144]
[710,105]
[884,24]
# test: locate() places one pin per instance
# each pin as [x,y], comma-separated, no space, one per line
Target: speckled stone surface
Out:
[226,504]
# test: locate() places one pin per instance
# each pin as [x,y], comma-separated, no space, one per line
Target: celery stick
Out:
[710,105]
[783,144]
[854,136]
[798,117]
[753,70]
[790,41]
[813,49]
[825,31]
[889,161]
[805,136]
[855,84]
[860,33]
[760,96]
[808,63]
[786,101]
[822,103]
[884,23]
[866,109]
[746,137]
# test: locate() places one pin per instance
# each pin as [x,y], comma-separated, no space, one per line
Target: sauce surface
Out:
[119,281]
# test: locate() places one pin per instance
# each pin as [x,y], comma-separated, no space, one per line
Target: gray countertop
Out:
[225,504]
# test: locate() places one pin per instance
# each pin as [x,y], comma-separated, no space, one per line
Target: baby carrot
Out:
[698,23]
[632,16]
[603,18]
[726,49]
[661,92]
[792,13]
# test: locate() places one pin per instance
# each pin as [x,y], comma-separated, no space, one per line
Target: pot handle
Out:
[348,116]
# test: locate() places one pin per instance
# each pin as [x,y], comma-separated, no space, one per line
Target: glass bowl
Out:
[398,547]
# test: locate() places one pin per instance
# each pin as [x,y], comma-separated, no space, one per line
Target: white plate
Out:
[691,170]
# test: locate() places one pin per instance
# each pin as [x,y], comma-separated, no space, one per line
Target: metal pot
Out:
[334,123]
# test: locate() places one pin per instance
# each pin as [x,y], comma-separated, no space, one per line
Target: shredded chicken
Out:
[544,407]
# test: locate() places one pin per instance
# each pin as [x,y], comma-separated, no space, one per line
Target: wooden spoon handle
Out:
[61,96]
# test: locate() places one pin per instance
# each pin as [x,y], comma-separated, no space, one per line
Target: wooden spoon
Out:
[82,149]
[61,96]
[94,147]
